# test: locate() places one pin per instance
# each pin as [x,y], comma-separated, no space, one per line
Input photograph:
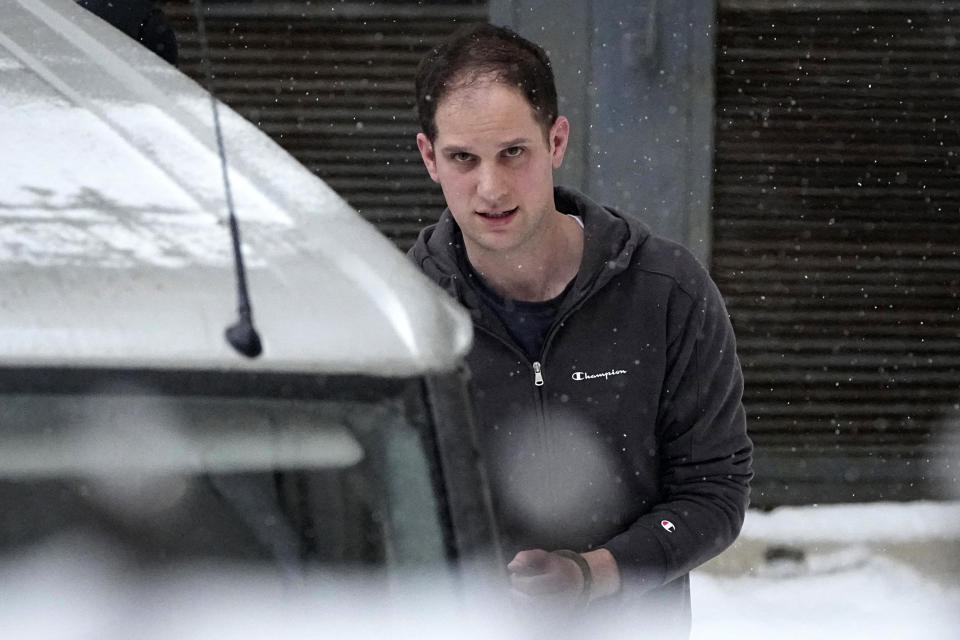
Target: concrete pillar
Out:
[635,78]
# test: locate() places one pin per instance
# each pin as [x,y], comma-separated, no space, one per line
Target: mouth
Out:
[497,216]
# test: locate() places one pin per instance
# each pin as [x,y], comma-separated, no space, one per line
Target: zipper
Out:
[542,431]
[537,366]
[537,376]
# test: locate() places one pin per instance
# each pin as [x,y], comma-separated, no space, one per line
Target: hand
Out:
[543,578]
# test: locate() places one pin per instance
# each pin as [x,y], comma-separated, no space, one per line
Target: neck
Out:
[537,273]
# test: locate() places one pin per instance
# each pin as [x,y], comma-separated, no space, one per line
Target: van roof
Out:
[114,250]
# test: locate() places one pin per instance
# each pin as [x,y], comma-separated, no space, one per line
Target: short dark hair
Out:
[485,50]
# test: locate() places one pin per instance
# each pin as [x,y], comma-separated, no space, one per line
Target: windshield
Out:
[168,473]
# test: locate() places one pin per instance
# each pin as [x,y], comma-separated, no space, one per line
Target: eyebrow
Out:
[451,148]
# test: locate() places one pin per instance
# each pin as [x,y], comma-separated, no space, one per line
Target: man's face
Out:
[495,165]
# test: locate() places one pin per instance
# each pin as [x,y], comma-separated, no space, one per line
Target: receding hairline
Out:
[475,78]
[484,51]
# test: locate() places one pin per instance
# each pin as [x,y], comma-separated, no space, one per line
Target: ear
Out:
[428,155]
[559,137]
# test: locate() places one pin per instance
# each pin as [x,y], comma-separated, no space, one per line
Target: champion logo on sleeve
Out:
[666,524]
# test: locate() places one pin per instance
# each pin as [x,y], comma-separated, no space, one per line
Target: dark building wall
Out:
[837,229]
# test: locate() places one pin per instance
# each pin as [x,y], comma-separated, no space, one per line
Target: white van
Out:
[125,415]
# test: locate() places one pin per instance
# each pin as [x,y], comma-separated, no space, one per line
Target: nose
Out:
[492,186]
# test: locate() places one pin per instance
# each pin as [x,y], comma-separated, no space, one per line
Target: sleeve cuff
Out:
[641,560]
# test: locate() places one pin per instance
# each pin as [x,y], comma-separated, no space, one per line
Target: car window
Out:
[297,483]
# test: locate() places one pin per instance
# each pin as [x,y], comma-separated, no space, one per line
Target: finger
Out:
[529,562]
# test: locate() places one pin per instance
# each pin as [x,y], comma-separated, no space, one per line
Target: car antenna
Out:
[241,335]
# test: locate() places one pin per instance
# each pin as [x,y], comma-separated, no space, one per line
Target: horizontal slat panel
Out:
[837,236]
[878,9]
[332,82]
[340,9]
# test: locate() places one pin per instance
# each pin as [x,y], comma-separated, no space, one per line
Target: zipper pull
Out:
[537,377]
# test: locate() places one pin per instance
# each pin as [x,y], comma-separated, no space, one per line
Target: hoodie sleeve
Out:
[704,453]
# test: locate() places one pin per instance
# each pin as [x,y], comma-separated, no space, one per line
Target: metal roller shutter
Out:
[332,82]
[837,241]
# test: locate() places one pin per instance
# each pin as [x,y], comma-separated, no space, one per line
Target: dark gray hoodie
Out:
[636,440]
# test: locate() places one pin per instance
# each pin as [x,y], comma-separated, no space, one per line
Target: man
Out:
[607,386]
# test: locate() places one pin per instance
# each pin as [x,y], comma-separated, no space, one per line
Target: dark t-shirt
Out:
[526,322]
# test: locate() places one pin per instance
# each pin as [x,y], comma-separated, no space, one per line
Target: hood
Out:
[610,239]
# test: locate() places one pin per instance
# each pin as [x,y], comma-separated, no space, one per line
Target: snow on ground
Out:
[861,575]
[875,598]
[848,584]
[857,522]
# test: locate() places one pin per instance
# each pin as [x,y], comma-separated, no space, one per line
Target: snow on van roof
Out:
[113,244]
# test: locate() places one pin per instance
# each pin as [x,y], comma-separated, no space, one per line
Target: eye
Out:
[513,152]
[461,156]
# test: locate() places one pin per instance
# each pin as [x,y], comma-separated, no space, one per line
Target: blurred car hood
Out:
[114,247]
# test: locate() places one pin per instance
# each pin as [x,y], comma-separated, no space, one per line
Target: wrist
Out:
[586,586]
[605,573]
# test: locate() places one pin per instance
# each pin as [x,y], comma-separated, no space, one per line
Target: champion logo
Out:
[666,524]
[580,375]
